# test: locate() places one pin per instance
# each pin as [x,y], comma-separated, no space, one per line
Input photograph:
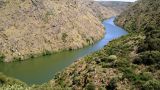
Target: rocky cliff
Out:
[29,28]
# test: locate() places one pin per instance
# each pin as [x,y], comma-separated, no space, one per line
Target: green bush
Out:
[145,76]
[90,86]
[112,58]
[64,36]
[148,58]
[129,74]
[151,85]
[150,44]
[112,85]
[108,60]
[104,65]
[122,64]
[2,78]
[46,52]
[152,40]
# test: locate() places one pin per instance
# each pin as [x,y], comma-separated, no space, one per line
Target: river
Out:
[42,69]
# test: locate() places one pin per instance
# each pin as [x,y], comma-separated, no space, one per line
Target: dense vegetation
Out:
[141,15]
[143,18]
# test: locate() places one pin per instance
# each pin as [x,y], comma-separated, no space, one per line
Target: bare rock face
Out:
[32,27]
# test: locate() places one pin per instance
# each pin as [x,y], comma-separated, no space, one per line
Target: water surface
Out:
[42,69]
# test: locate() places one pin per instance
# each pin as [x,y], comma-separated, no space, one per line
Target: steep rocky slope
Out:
[101,11]
[116,6]
[29,28]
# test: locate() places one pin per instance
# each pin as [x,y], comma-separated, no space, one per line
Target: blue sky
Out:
[118,0]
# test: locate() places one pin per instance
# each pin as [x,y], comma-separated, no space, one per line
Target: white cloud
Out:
[118,0]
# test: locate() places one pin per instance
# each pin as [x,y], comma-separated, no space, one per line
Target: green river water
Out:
[42,69]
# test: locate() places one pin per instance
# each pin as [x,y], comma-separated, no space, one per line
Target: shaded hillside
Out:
[117,6]
[29,28]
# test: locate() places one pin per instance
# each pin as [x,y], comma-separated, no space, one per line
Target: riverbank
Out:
[31,28]
[41,69]
[108,68]
[103,69]
[113,32]
[131,62]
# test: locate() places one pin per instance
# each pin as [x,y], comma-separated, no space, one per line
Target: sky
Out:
[118,0]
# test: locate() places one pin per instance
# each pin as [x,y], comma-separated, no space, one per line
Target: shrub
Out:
[122,64]
[90,86]
[129,74]
[148,58]
[64,36]
[109,59]
[46,52]
[151,42]
[112,85]
[104,65]
[137,60]
[158,66]
[151,85]
[2,78]
[104,59]
[145,76]
[112,58]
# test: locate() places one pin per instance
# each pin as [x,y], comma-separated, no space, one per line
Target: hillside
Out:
[101,11]
[141,15]
[145,21]
[117,6]
[131,62]
[29,28]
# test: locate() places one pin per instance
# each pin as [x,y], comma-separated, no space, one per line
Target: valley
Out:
[116,60]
